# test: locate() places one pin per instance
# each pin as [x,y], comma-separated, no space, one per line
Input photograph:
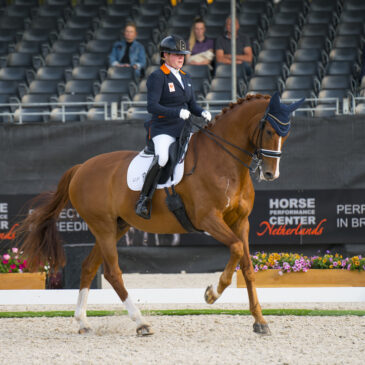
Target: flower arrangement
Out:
[293,262]
[14,262]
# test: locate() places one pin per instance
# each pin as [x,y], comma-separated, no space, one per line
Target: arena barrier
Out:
[317,203]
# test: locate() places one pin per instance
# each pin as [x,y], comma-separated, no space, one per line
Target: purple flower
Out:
[349,267]
[335,264]
[264,267]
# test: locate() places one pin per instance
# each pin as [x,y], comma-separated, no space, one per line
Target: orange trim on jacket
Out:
[165,69]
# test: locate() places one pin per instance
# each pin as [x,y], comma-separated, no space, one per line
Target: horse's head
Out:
[274,128]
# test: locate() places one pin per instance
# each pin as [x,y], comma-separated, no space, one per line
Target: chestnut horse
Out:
[218,198]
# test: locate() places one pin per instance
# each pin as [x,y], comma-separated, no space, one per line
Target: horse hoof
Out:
[262,329]
[210,296]
[144,330]
[84,330]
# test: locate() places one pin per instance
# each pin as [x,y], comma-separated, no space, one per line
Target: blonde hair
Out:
[192,39]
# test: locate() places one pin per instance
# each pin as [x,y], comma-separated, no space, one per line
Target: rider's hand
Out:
[184,114]
[206,115]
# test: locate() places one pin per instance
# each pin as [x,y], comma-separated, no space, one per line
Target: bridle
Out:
[256,156]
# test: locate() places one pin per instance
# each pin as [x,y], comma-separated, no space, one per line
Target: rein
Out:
[256,156]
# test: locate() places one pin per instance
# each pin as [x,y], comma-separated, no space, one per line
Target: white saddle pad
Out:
[139,166]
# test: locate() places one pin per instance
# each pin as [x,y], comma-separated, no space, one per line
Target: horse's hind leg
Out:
[88,271]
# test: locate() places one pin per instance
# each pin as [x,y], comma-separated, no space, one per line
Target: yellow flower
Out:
[324,261]
[331,266]
[355,258]
[339,262]
[357,263]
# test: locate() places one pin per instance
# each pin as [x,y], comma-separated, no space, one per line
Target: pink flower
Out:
[14,250]
[6,257]
[12,266]
[5,262]
[280,273]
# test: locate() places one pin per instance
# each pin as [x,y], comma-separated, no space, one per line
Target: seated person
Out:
[244,55]
[202,48]
[129,52]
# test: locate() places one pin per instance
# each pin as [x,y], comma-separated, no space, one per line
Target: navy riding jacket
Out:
[165,98]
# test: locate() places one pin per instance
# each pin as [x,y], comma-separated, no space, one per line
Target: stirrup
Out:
[142,208]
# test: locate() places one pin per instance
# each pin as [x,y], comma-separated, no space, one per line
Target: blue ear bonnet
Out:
[278,114]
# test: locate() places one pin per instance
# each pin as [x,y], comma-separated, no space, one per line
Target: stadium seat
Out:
[117,87]
[31,114]
[54,59]
[79,22]
[151,69]
[288,19]
[277,55]
[45,23]
[89,11]
[325,5]
[43,87]
[99,46]
[271,69]
[112,22]
[214,20]
[155,10]
[108,34]
[8,87]
[121,73]
[8,35]
[136,113]
[26,47]
[142,87]
[354,5]
[332,93]
[140,97]
[321,42]
[302,83]
[257,7]
[62,46]
[219,8]
[83,73]
[193,9]
[123,10]
[345,54]
[13,73]
[339,68]
[350,29]
[11,22]
[313,30]
[52,10]
[13,10]
[321,17]
[91,59]
[265,84]
[298,94]
[284,43]
[36,35]
[201,86]
[306,69]
[352,16]
[202,72]
[73,34]
[283,30]
[347,41]
[18,60]
[324,110]
[310,55]
[345,82]
[50,73]
[77,87]
[290,6]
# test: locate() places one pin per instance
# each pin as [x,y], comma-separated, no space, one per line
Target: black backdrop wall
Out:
[318,201]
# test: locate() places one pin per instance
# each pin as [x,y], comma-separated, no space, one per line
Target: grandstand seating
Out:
[57,51]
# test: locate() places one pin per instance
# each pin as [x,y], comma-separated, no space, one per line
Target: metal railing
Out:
[54,111]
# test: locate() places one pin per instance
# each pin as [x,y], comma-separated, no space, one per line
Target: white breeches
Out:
[162,143]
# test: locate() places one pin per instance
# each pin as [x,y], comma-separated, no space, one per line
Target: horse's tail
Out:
[41,242]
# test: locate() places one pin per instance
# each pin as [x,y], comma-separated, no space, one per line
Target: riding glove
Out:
[206,115]
[184,114]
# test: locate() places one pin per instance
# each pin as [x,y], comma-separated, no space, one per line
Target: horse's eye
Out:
[269,133]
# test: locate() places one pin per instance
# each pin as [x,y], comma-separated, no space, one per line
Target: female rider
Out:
[170,100]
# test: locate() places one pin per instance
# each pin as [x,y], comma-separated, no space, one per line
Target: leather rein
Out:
[256,156]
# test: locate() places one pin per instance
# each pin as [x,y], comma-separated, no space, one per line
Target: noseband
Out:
[256,156]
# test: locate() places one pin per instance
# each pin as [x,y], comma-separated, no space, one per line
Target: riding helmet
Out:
[173,44]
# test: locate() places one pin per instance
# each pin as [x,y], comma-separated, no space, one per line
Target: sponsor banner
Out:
[320,216]
[279,217]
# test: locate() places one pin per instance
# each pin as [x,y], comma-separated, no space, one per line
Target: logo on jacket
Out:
[171,87]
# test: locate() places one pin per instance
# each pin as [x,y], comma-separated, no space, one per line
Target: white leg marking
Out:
[215,291]
[133,312]
[228,198]
[277,170]
[80,312]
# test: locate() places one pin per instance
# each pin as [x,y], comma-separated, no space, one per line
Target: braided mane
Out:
[240,101]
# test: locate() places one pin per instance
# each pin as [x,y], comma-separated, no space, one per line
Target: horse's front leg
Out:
[221,232]
[260,326]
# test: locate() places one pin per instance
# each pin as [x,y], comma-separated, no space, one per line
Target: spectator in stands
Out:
[202,48]
[129,52]
[362,63]
[244,53]
[170,100]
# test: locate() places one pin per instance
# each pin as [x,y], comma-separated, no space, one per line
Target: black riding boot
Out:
[143,205]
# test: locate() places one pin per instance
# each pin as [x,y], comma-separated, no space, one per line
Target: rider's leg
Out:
[162,144]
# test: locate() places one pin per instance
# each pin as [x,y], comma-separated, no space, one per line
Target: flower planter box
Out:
[312,278]
[23,281]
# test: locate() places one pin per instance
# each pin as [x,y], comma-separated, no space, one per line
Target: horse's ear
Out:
[295,105]
[274,102]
